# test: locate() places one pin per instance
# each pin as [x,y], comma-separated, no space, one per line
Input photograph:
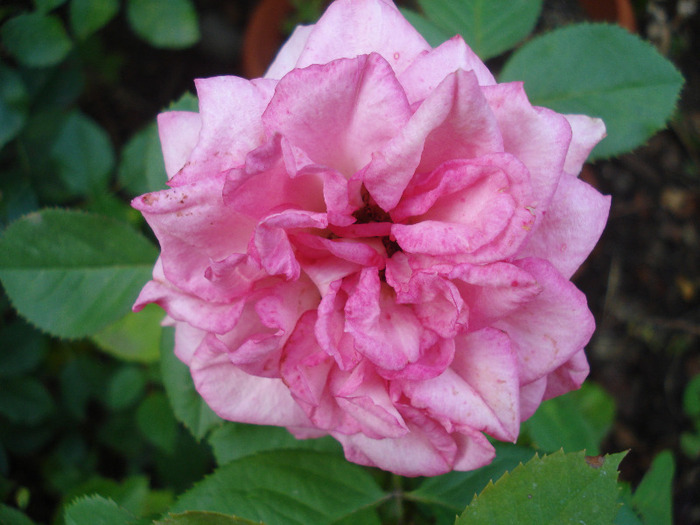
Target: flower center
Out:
[372,212]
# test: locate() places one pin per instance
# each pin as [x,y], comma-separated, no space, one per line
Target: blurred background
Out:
[68,413]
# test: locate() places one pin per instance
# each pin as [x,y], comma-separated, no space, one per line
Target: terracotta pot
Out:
[264,36]
[618,11]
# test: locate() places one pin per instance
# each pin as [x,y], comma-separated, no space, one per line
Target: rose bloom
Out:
[375,241]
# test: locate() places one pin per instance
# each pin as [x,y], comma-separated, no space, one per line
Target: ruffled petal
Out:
[237,396]
[538,137]
[339,113]
[586,132]
[179,134]
[552,327]
[454,122]
[230,109]
[571,227]
[350,28]
[429,69]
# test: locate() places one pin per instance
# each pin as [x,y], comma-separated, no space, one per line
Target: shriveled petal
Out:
[429,69]
[238,396]
[230,109]
[179,134]
[586,133]
[288,54]
[538,137]
[194,227]
[454,122]
[571,227]
[340,112]
[552,327]
[350,28]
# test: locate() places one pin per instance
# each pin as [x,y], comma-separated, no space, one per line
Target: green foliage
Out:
[10,516]
[96,509]
[83,154]
[134,337]
[13,104]
[71,273]
[36,40]
[652,499]
[202,518]
[285,487]
[141,169]
[164,23]
[601,71]
[575,421]
[188,406]
[557,489]
[88,16]
[231,441]
[690,441]
[490,27]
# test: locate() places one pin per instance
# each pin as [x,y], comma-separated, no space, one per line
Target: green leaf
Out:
[285,487]
[23,348]
[601,71]
[555,489]
[490,27]
[653,498]
[134,337]
[432,33]
[141,169]
[36,40]
[455,490]
[691,398]
[10,516]
[87,16]
[97,510]
[156,422]
[25,400]
[125,387]
[575,421]
[164,23]
[84,154]
[188,406]
[202,518]
[235,440]
[71,273]
[13,104]
[44,6]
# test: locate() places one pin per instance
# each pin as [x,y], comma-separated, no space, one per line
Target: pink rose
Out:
[375,242]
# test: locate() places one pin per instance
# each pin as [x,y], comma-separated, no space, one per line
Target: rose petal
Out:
[453,122]
[288,55]
[552,327]
[238,396]
[339,113]
[230,109]
[429,69]
[350,28]
[571,227]
[179,134]
[586,133]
